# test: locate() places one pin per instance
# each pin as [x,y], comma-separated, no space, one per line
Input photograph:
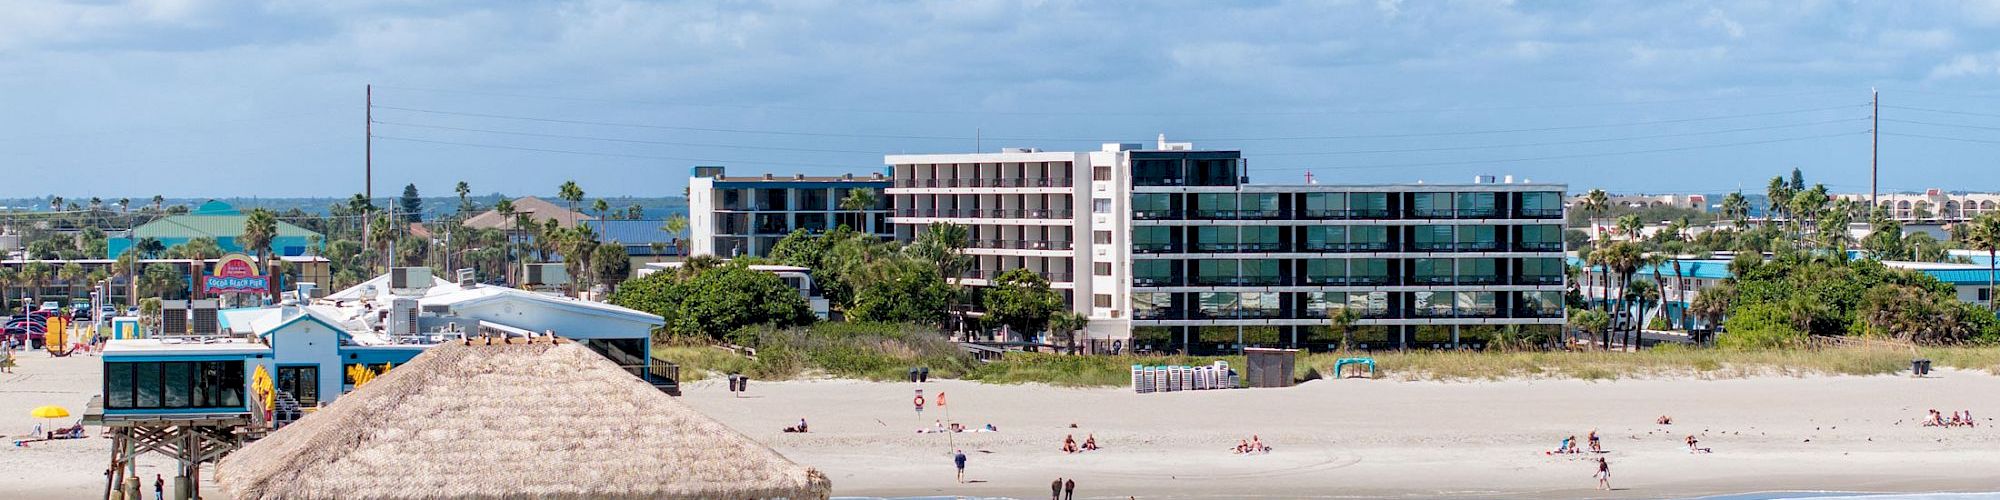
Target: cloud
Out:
[1717,19]
[1967,66]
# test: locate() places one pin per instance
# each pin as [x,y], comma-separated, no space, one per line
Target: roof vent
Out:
[847,176]
[798,177]
[767,176]
[1020,150]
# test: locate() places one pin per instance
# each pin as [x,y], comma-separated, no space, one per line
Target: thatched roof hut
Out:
[523,420]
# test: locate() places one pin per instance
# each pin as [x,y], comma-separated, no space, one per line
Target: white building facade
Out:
[1170,249]
[732,216]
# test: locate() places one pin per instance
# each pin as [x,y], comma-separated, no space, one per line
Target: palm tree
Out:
[7,280]
[1068,323]
[1736,208]
[159,203]
[601,207]
[858,200]
[258,230]
[1631,226]
[149,247]
[677,226]
[124,205]
[571,193]
[1776,195]
[1985,235]
[463,190]
[1595,202]
[36,276]
[1714,303]
[127,267]
[71,274]
[1343,321]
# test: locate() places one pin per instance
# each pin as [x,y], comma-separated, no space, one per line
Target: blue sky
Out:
[213,98]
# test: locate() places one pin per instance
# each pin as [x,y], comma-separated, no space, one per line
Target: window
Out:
[1485,271]
[1476,205]
[1431,270]
[1323,205]
[1156,172]
[1215,272]
[173,384]
[302,382]
[1100,205]
[1326,271]
[1100,237]
[1153,239]
[1102,299]
[1154,272]
[1324,304]
[1100,173]
[1368,238]
[1101,269]
[1549,267]
[1541,204]
[1374,205]
[1258,304]
[1152,205]
[1476,238]
[1215,205]
[1432,303]
[1431,205]
[1260,239]
[1215,239]
[1216,304]
[1432,238]
[1477,303]
[1320,238]
[1151,304]
[1261,272]
[1985,294]
[1369,271]
[1212,172]
[1258,204]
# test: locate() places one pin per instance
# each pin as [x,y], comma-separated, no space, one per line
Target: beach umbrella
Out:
[49,411]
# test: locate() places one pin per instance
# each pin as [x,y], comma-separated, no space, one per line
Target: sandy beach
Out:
[1378,438]
[1331,439]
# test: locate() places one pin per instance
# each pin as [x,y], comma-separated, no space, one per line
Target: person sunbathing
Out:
[1665,420]
[1257,445]
[1090,442]
[1242,446]
[1595,445]
[1568,446]
[1935,419]
[1069,444]
[1956,420]
[1968,419]
[1694,445]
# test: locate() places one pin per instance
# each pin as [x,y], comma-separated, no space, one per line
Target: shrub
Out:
[1759,326]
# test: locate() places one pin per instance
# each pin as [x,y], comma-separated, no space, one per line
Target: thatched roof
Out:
[522,420]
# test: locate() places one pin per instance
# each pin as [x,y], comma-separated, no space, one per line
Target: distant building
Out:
[645,241]
[537,209]
[1932,205]
[1687,201]
[216,220]
[732,216]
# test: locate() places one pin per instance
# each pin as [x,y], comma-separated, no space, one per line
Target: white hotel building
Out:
[1171,249]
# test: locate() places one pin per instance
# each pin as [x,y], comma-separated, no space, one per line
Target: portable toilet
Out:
[125,327]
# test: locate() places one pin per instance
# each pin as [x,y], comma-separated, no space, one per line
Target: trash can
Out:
[1920,367]
[913,375]
[924,374]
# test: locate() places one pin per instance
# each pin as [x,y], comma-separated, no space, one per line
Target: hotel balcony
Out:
[1156,248]
[1378,246]
[1446,213]
[982,274]
[1538,280]
[1153,281]
[1239,281]
[1539,213]
[1352,214]
[1238,247]
[1239,314]
[982,213]
[1347,280]
[1538,246]
[1020,244]
[1447,246]
[1027,182]
[1156,214]
[1240,214]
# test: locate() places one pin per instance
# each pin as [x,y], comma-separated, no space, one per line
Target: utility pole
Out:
[1874,148]
[368,165]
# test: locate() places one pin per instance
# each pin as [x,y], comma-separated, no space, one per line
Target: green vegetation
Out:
[869,351]
[707,301]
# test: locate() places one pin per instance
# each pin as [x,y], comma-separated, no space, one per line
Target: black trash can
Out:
[913,375]
[1920,367]
[924,374]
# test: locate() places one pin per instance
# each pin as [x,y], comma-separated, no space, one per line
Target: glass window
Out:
[1369,204]
[1101,300]
[176,379]
[1476,205]
[1215,204]
[1429,205]
[813,199]
[1100,205]
[1541,233]
[118,385]
[1542,304]
[1325,204]
[1213,271]
[1153,272]
[1325,237]
[1542,267]
[1212,172]
[1326,271]
[1101,269]
[146,380]
[1258,304]
[1541,204]
[1374,271]
[1368,237]
[1156,172]
[1212,238]
[1370,304]
[1260,238]
[1100,237]
[1431,270]
[1433,303]
[1261,271]
[1261,204]
[1150,304]
[1100,173]
[1216,304]
[1323,304]
[1477,303]
[1476,238]
[1152,202]
[1153,239]
[1432,237]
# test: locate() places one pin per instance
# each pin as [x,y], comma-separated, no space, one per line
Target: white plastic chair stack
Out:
[1158,374]
[1187,381]
[1139,379]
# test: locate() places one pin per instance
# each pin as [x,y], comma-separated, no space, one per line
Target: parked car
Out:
[50,306]
[28,332]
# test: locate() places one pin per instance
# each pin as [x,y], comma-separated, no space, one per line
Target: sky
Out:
[266,98]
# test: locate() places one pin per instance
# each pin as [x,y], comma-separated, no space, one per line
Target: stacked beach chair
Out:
[1149,379]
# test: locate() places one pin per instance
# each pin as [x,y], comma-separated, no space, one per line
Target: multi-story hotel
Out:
[1932,205]
[1171,249]
[731,216]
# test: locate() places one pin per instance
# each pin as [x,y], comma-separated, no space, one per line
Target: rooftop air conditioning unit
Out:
[544,273]
[467,278]
[409,279]
[173,317]
[402,317]
[203,320]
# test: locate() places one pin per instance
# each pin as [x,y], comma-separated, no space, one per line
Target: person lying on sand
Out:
[1694,445]
[797,428]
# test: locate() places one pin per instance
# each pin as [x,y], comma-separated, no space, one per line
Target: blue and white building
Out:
[744,216]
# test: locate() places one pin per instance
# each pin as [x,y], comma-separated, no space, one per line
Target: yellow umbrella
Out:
[50,411]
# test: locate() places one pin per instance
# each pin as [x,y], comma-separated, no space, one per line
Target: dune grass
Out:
[886,352]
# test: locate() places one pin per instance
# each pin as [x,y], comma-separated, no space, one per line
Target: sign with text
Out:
[236,273]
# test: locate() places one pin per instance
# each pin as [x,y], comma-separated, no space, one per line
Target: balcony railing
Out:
[980,213]
[1347,247]
[1156,248]
[1447,246]
[1538,246]
[1238,247]
[1143,281]
[1526,312]
[1480,279]
[1339,214]
[981,274]
[1239,214]
[1159,313]
[1540,213]
[1240,314]
[982,182]
[1347,280]
[1020,244]
[1433,280]
[1156,214]
[1239,281]
[1447,213]
[1538,280]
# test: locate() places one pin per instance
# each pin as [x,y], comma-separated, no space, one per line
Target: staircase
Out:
[286,411]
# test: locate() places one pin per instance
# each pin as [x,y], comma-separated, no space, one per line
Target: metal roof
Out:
[208,226]
[631,232]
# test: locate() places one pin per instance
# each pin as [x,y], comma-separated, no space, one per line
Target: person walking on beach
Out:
[1603,474]
[1069,489]
[1055,489]
[958,458]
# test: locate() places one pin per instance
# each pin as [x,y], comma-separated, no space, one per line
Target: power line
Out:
[631,141]
[1057,139]
[1109,113]
[1945,111]
[1941,138]
[1560,143]
[1954,125]
[594,153]
[1571,156]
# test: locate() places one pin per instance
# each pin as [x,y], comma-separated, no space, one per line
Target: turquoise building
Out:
[214,219]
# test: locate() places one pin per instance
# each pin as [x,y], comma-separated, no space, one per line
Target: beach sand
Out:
[1332,439]
[1380,438]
